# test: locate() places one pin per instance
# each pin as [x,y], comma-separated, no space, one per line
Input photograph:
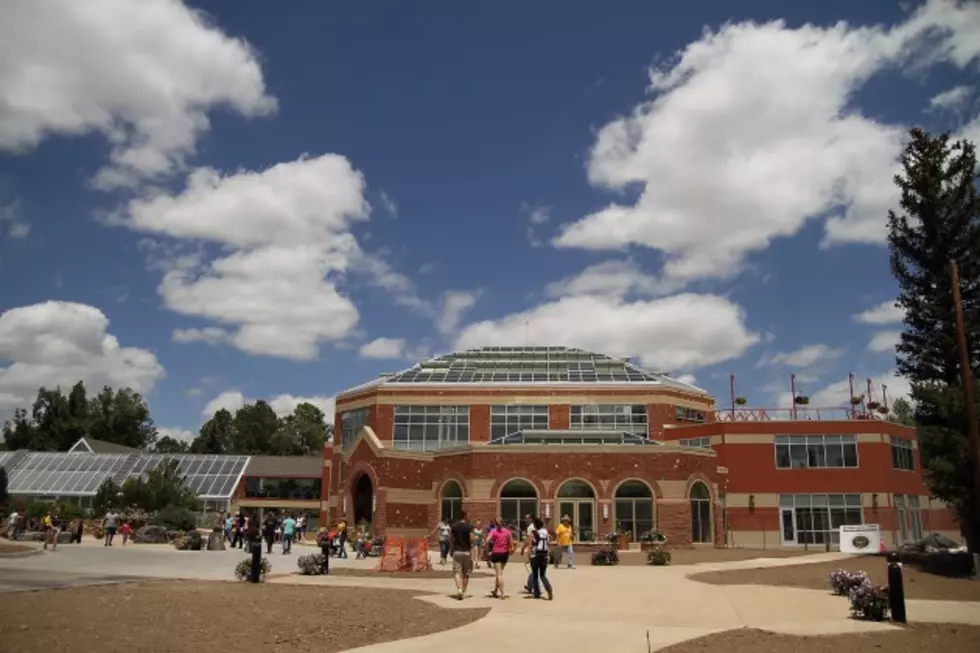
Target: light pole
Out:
[969,405]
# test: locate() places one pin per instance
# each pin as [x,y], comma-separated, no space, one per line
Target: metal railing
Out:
[800,413]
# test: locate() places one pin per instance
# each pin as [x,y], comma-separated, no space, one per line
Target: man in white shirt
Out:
[527,548]
[12,523]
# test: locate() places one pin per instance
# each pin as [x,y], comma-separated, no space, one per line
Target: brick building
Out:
[506,431]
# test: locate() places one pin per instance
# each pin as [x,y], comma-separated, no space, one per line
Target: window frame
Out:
[813,451]
[450,423]
[902,451]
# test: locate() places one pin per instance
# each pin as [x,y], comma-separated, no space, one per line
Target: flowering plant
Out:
[870,602]
[612,536]
[845,582]
[654,536]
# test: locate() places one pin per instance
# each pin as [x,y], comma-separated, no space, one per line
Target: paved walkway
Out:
[599,607]
[594,608]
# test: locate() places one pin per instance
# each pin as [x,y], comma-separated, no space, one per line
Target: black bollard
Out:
[256,575]
[896,589]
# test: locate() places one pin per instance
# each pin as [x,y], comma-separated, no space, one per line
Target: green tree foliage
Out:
[940,222]
[902,412]
[107,496]
[163,487]
[167,444]
[56,421]
[255,429]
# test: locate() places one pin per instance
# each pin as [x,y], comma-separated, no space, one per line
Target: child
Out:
[359,544]
[126,531]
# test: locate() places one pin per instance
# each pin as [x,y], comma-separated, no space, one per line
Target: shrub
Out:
[175,518]
[605,557]
[244,569]
[658,557]
[653,536]
[844,582]
[180,543]
[312,565]
[870,602]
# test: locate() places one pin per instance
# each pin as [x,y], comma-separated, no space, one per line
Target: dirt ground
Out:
[698,555]
[180,616]
[918,584]
[7,548]
[913,639]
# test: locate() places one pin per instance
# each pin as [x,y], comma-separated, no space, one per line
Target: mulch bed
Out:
[695,556]
[918,584]
[916,638]
[181,616]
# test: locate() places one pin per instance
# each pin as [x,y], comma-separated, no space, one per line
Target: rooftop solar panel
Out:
[64,474]
[209,477]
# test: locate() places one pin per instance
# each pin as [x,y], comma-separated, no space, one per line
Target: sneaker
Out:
[459,595]
[551,595]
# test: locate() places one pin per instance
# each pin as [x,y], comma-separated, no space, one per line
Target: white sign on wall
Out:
[861,539]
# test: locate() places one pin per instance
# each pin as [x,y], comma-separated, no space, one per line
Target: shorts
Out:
[462,562]
[500,558]
[111,530]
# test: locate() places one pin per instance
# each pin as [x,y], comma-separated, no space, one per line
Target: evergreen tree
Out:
[940,223]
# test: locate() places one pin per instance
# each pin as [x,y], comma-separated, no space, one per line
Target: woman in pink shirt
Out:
[501,545]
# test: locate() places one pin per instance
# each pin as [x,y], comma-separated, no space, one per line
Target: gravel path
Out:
[913,639]
[180,616]
[918,584]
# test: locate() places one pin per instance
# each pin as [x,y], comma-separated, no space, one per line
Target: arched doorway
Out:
[576,499]
[517,498]
[701,530]
[363,499]
[634,508]
[452,502]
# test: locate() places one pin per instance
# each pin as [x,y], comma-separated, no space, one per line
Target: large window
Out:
[614,417]
[689,415]
[509,419]
[452,502]
[902,457]
[282,488]
[634,508]
[701,530]
[517,499]
[908,514]
[351,424]
[697,443]
[816,451]
[428,428]
[817,518]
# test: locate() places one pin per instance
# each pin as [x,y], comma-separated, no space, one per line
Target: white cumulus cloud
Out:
[179,434]
[681,332]
[952,100]
[617,278]
[751,132]
[884,341]
[806,356]
[887,312]
[384,348]
[143,74]
[60,343]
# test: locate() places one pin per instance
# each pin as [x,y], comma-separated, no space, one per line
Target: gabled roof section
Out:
[526,365]
[91,445]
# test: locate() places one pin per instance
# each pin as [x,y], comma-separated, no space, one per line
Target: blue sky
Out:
[235,202]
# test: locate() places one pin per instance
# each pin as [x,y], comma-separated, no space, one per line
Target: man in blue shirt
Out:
[288,531]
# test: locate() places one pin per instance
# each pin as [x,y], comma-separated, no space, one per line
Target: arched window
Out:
[517,498]
[576,500]
[452,501]
[634,508]
[701,530]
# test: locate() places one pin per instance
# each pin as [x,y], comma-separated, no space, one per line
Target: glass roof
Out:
[81,473]
[526,365]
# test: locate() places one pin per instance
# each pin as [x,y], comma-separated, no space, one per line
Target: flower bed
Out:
[244,569]
[868,601]
[605,557]
[658,557]
[843,582]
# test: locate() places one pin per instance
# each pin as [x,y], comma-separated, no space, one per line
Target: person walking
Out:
[288,532]
[563,537]
[477,538]
[526,550]
[269,531]
[539,560]
[342,536]
[461,545]
[444,531]
[110,523]
[501,545]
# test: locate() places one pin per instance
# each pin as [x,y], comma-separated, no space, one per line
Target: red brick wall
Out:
[559,416]
[426,472]
[479,423]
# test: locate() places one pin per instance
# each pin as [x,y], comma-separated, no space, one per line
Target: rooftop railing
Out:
[800,413]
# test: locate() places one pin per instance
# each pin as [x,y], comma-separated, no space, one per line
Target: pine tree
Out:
[940,223]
